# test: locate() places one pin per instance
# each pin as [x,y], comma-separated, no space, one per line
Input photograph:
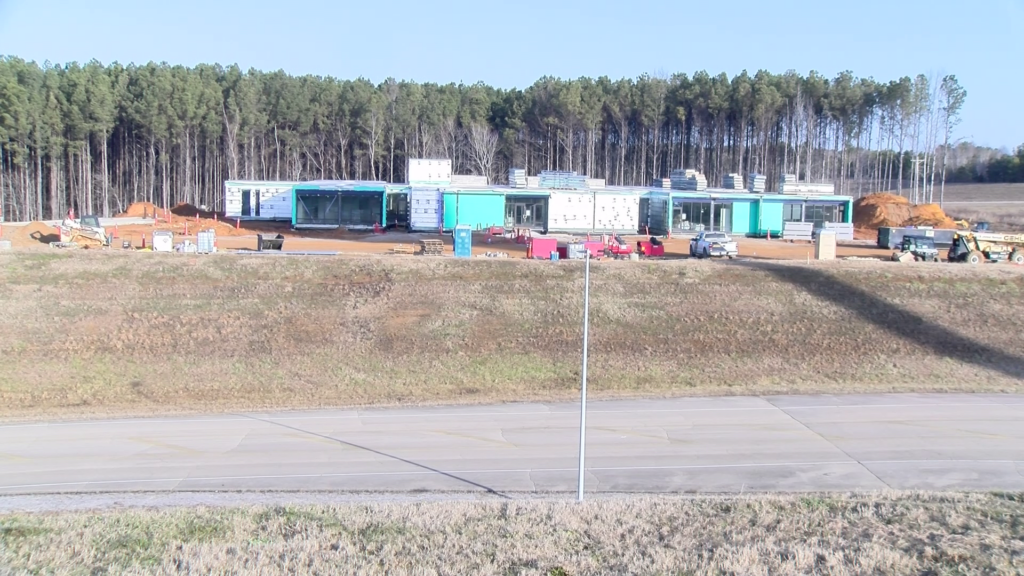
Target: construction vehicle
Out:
[975,247]
[922,248]
[84,232]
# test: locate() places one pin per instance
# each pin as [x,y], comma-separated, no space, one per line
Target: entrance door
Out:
[723,217]
[246,202]
[256,197]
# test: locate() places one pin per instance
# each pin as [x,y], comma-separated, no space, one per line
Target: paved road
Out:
[710,444]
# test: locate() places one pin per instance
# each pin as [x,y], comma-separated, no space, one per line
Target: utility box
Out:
[163,241]
[825,245]
[463,241]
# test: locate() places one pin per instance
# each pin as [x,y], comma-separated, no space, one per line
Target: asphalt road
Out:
[928,442]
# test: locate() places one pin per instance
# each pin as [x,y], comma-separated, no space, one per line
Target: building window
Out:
[792,213]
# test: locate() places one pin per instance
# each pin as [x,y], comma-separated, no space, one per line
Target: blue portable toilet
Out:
[463,241]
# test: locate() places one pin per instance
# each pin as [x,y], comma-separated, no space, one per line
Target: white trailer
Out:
[258,200]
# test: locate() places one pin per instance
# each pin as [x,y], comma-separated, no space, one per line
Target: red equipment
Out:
[617,247]
[652,248]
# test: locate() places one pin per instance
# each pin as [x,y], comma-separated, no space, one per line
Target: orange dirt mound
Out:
[33,234]
[929,215]
[139,209]
[880,210]
[877,210]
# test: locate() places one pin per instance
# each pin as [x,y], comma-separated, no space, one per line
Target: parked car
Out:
[708,244]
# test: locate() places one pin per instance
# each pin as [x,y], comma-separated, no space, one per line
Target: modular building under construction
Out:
[339,204]
[432,206]
[740,213]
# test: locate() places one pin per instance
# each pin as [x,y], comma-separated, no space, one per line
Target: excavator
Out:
[84,232]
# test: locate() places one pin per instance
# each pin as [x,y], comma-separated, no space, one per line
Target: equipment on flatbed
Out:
[976,247]
[922,248]
[82,233]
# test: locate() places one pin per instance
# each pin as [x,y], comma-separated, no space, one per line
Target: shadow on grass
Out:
[487,489]
[889,317]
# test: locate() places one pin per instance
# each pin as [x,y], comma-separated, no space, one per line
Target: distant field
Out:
[133,333]
[892,534]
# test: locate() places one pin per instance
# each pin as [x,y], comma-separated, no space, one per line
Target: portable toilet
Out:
[463,241]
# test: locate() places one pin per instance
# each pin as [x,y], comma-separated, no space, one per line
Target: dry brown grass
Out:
[86,334]
[889,534]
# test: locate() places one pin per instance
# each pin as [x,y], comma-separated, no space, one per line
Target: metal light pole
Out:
[583,386]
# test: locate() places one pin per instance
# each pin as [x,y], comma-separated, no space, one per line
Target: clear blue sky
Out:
[513,43]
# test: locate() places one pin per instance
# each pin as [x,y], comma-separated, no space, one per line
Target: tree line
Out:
[970,163]
[98,137]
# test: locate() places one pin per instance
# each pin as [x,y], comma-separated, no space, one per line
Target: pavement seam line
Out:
[831,443]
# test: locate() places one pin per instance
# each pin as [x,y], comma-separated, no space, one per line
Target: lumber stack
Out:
[431,248]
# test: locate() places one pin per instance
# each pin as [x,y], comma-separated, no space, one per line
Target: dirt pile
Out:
[139,210]
[32,235]
[189,211]
[929,215]
[880,210]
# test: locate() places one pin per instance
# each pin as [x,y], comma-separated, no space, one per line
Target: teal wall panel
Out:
[771,218]
[740,217]
[474,210]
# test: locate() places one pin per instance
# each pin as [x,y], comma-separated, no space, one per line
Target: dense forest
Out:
[98,137]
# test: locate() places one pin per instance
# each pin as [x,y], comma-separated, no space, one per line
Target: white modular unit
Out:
[570,211]
[616,212]
[425,209]
[430,172]
[258,200]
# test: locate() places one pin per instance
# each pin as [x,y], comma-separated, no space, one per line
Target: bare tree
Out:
[483,147]
[952,97]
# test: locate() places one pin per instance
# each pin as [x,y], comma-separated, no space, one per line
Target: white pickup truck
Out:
[708,244]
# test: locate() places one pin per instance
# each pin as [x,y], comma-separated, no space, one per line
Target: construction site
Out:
[544,217]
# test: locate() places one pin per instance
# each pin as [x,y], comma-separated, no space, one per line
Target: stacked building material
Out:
[788,185]
[595,183]
[688,179]
[517,177]
[758,183]
[732,181]
[562,180]
[664,183]
[468,180]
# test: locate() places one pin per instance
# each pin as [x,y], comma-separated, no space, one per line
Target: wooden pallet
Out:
[403,249]
[431,247]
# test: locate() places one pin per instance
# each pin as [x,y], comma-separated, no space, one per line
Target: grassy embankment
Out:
[893,534]
[85,334]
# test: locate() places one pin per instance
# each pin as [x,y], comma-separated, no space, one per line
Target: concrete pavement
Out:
[795,443]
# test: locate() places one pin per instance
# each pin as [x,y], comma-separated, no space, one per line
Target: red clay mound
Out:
[929,215]
[33,234]
[875,211]
[139,210]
